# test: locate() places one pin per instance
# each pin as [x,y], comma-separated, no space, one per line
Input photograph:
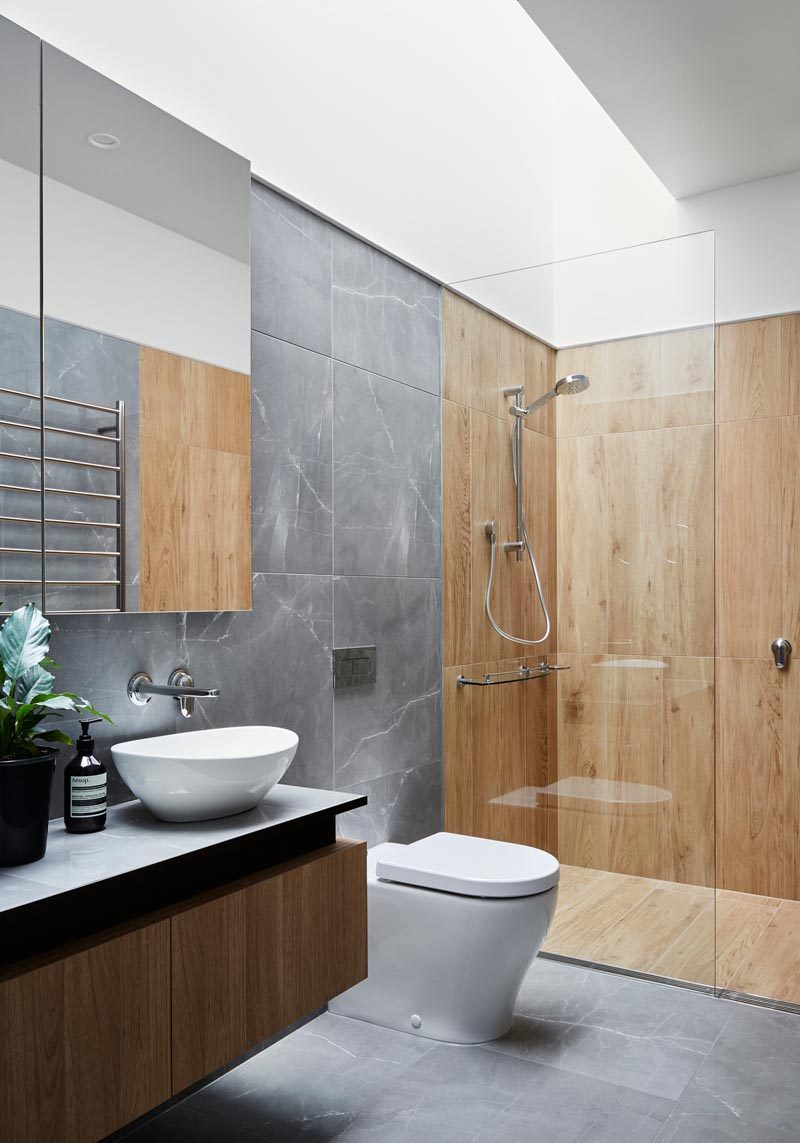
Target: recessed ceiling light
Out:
[103,140]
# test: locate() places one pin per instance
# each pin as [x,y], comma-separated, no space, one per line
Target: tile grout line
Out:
[350,364]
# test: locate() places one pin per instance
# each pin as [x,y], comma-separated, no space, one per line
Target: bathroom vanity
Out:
[138,961]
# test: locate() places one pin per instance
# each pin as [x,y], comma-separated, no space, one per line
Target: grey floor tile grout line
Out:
[350,364]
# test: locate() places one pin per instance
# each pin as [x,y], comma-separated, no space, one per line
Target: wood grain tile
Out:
[486,447]
[511,370]
[586,413]
[790,363]
[539,499]
[582,531]
[457,532]
[471,374]
[634,465]
[540,377]
[633,377]
[579,927]
[755,818]
[685,484]
[790,467]
[456,348]
[687,377]
[748,506]
[639,939]
[741,919]
[749,374]
[689,952]
[688,706]
[773,967]
[459,793]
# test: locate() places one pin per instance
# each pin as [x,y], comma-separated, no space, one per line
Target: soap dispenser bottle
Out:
[85,786]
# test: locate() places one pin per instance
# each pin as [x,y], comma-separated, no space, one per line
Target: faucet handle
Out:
[781,650]
[182,678]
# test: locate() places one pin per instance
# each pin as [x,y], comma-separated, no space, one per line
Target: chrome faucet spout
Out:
[177,691]
[180,686]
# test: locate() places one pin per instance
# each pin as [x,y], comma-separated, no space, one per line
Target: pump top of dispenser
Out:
[85,743]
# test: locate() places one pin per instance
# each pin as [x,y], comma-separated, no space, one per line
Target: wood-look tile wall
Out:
[757,599]
[496,738]
[666,511]
[635,480]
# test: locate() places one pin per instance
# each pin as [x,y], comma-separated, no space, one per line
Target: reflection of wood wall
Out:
[194,485]
[496,738]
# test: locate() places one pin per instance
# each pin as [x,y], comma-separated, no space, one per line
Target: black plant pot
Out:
[25,808]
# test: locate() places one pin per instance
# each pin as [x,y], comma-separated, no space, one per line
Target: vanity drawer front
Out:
[85,1043]
[253,960]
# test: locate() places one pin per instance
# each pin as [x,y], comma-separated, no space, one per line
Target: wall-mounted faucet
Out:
[180,686]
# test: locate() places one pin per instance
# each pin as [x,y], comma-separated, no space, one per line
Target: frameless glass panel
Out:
[609,762]
[20,374]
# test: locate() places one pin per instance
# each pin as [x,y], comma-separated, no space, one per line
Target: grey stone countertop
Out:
[133,839]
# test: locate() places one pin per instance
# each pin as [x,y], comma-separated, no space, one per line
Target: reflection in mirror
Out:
[20,373]
[146,354]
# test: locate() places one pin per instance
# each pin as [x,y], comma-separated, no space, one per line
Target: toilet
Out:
[454,923]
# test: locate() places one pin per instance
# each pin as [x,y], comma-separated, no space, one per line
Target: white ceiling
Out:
[707,91]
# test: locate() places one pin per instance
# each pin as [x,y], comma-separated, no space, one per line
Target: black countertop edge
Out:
[70,915]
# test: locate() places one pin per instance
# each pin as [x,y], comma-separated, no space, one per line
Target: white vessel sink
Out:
[205,773]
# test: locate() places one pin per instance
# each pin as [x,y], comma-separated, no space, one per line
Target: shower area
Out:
[621,527]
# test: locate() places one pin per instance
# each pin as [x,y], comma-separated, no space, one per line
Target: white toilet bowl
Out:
[454,923]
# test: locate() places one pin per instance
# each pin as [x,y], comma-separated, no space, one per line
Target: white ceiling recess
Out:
[707,91]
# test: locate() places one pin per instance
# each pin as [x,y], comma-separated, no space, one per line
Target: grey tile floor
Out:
[592,1058]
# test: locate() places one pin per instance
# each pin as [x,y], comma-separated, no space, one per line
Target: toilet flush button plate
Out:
[354,666]
[416,1021]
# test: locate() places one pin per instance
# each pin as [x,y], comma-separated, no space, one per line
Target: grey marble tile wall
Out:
[346,535]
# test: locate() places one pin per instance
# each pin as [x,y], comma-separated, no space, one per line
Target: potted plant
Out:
[27,760]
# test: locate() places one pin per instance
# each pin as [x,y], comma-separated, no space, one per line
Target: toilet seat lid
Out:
[471,866]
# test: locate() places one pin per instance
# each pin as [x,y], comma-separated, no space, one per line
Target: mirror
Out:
[20,374]
[145,387]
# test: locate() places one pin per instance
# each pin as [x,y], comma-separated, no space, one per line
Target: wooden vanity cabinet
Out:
[249,963]
[84,1040]
[95,1036]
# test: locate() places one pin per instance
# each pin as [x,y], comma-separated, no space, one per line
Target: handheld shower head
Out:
[572,383]
[566,386]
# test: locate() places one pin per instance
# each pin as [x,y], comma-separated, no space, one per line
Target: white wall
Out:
[449,132]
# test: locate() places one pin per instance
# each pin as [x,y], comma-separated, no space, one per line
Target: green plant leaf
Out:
[24,639]
[57,702]
[55,736]
[35,681]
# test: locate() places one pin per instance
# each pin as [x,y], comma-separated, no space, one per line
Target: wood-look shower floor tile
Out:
[739,941]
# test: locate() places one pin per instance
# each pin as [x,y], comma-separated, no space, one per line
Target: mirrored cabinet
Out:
[124,348]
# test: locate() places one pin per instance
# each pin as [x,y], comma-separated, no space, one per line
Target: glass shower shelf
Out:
[522,675]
